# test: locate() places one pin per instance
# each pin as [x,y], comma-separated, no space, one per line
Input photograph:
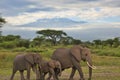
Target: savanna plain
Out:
[106,60]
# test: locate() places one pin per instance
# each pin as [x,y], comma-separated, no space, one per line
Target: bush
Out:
[8,45]
[107,52]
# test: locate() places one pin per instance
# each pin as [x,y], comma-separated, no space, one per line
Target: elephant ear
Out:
[37,58]
[30,58]
[76,53]
[51,64]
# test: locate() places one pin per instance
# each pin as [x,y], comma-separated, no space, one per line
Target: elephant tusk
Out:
[93,67]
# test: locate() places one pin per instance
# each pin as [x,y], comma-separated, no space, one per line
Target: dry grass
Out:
[101,73]
[108,68]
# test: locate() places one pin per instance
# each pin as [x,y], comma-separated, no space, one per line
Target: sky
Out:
[81,19]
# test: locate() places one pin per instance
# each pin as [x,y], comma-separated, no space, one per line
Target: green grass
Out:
[108,66]
[107,51]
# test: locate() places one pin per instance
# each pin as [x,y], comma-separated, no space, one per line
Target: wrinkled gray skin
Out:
[26,62]
[48,67]
[70,58]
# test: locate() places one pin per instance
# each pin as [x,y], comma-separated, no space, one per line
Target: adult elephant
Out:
[70,58]
[26,62]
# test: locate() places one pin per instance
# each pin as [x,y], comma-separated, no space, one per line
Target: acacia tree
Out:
[53,35]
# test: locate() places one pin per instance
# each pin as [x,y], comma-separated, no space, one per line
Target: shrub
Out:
[9,44]
[107,52]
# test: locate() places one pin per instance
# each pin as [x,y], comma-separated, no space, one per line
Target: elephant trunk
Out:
[89,63]
[60,70]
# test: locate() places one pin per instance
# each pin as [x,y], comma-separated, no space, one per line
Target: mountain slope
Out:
[54,22]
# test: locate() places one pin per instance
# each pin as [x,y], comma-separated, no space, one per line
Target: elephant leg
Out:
[13,74]
[28,73]
[72,73]
[78,67]
[43,77]
[57,72]
[36,72]
[53,74]
[80,72]
[50,75]
[22,76]
[56,75]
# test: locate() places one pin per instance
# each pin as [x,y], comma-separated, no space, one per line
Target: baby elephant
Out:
[26,62]
[50,67]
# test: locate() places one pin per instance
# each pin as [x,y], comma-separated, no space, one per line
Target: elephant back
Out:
[44,66]
[19,62]
[62,55]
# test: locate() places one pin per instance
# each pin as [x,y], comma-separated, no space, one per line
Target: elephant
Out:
[49,67]
[26,62]
[70,58]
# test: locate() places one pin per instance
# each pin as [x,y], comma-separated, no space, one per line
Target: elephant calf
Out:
[26,62]
[50,67]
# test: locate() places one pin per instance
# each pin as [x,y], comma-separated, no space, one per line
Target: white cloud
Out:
[31,6]
[88,14]
[26,18]
[70,28]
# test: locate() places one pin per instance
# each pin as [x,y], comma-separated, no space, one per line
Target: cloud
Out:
[28,11]
[100,14]
[20,6]
[26,18]
[79,27]
[90,14]
[77,3]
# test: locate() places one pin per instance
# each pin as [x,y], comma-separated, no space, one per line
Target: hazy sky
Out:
[81,19]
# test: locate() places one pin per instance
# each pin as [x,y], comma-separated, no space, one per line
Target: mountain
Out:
[54,22]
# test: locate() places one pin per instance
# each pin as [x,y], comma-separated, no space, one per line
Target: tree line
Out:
[45,37]
[115,42]
[53,37]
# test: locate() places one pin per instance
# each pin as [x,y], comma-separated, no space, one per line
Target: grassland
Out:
[108,66]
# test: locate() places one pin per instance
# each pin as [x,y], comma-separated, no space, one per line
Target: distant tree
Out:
[87,43]
[11,37]
[97,42]
[13,41]
[2,21]
[66,40]
[116,42]
[37,41]
[23,43]
[76,41]
[52,35]
[103,43]
[110,42]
